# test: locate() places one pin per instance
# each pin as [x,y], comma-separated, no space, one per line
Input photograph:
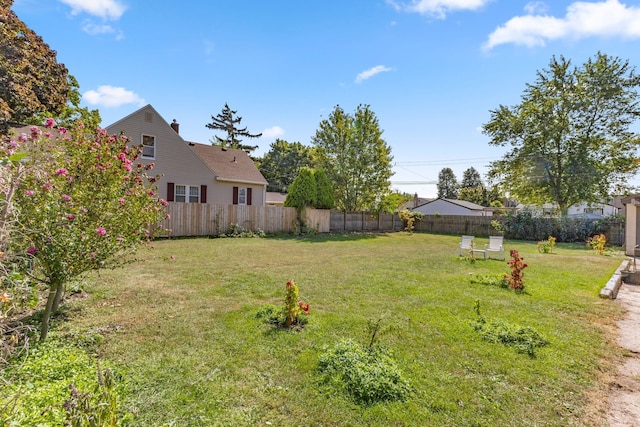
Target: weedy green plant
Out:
[40,383]
[546,246]
[524,339]
[497,280]
[369,374]
[598,243]
[238,231]
[516,277]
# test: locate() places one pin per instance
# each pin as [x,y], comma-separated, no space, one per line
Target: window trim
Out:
[187,195]
[143,146]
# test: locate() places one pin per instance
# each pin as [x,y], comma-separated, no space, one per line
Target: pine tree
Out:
[228,122]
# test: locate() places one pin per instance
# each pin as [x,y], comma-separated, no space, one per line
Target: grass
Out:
[185,335]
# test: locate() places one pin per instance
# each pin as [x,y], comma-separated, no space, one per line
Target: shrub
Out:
[409,218]
[324,190]
[546,246]
[292,314]
[368,374]
[598,243]
[516,277]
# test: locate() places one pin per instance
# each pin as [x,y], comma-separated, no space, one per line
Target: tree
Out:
[447,184]
[228,122]
[391,202]
[472,194]
[31,80]
[324,190]
[282,163]
[570,137]
[83,203]
[471,179]
[303,190]
[71,113]
[355,157]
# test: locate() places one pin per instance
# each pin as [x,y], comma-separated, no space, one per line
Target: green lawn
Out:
[185,335]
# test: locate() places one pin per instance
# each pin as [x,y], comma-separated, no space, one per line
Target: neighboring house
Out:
[632,223]
[192,172]
[415,202]
[452,207]
[581,210]
[275,199]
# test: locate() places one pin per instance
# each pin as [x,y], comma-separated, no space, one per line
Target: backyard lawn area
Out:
[180,327]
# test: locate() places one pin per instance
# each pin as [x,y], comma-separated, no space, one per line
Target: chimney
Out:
[415,200]
[175,126]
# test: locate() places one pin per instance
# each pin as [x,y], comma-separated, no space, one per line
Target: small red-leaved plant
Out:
[516,277]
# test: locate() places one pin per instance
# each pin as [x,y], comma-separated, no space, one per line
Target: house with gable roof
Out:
[192,172]
[452,207]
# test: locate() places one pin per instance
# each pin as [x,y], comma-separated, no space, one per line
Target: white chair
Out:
[465,245]
[495,245]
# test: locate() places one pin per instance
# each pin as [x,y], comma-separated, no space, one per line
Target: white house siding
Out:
[444,207]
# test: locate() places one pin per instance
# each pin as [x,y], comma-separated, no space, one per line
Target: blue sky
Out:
[431,70]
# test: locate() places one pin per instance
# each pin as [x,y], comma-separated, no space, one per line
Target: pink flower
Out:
[66,197]
[47,134]
[49,123]
[47,186]
[151,192]
[168,216]
[164,202]
[35,132]
[13,144]
[122,201]
[173,257]
[101,231]
[149,166]
[61,171]
[71,217]
[28,192]
[119,239]
[32,250]
[62,130]
[22,137]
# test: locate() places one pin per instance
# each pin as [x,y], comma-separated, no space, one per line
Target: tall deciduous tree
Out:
[282,163]
[447,184]
[72,112]
[31,79]
[228,122]
[83,203]
[570,137]
[355,157]
[472,188]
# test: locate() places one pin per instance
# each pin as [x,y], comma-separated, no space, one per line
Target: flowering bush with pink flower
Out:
[82,204]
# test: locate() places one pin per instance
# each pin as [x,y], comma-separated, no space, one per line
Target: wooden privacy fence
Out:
[207,219]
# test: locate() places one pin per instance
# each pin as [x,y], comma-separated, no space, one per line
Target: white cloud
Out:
[438,8]
[94,29]
[536,7]
[273,132]
[109,96]
[371,72]
[608,18]
[105,9]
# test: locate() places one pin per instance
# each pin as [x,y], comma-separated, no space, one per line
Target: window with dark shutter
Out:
[203,194]
[235,195]
[170,191]
[248,196]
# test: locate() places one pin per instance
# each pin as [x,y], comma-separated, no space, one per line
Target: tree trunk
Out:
[58,298]
[44,327]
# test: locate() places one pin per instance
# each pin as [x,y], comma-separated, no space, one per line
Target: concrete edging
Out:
[612,287]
